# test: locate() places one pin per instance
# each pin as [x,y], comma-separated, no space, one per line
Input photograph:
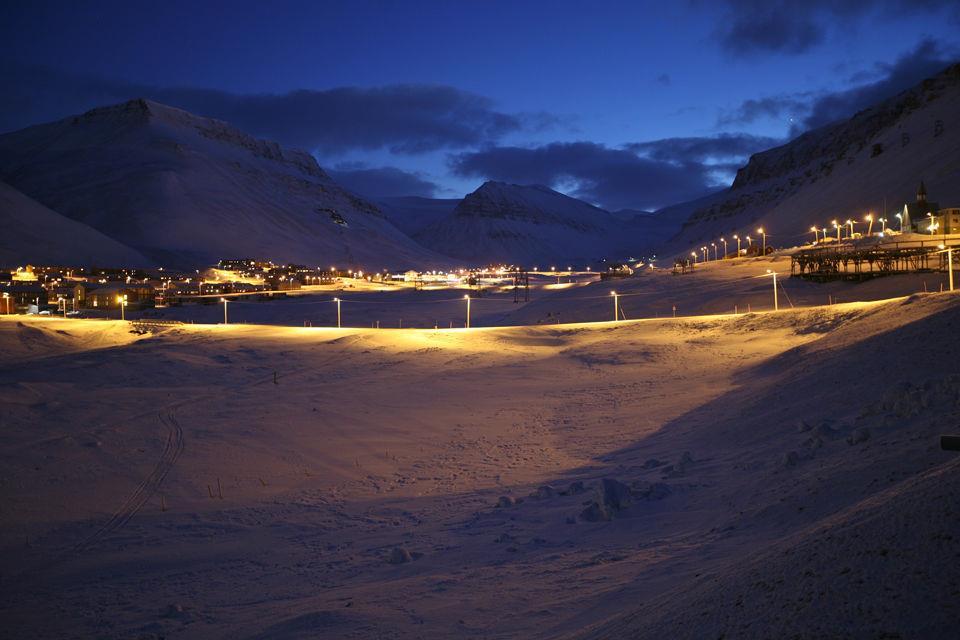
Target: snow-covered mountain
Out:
[872,162]
[184,189]
[34,233]
[411,214]
[529,225]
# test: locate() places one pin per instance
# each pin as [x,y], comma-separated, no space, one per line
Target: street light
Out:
[224,301]
[737,238]
[883,225]
[724,241]
[467,298]
[837,227]
[337,300]
[900,218]
[616,308]
[776,306]
[764,234]
[869,218]
[694,254]
[850,223]
[714,245]
[123,303]
[705,253]
[815,236]
[749,242]
[949,253]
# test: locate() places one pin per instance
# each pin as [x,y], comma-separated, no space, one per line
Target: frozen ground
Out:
[775,475]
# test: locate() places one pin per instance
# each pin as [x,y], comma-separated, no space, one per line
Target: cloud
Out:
[795,26]
[704,149]
[402,118]
[646,175]
[664,79]
[809,110]
[377,182]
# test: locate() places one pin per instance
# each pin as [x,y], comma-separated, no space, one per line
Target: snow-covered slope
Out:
[844,170]
[34,233]
[185,189]
[529,224]
[411,214]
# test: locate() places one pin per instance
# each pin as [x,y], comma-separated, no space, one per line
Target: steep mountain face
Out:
[32,233]
[872,162]
[528,225]
[411,214]
[188,190]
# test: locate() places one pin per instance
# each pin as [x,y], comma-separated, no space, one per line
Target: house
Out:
[22,294]
[948,220]
[93,295]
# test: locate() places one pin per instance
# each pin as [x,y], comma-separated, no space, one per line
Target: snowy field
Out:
[713,288]
[758,475]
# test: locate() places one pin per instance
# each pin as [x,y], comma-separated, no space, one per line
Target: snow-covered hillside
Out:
[34,233]
[184,189]
[530,224]
[844,170]
[411,214]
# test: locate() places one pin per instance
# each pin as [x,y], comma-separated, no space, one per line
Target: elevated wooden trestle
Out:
[850,261]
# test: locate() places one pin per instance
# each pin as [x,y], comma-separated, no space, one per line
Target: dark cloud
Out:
[378,182]
[795,26]
[613,178]
[705,148]
[810,110]
[401,118]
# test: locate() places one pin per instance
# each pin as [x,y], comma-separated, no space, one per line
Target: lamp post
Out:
[123,303]
[337,300]
[6,302]
[815,232]
[724,241]
[850,223]
[737,238]
[749,242]
[694,254]
[705,253]
[224,301]
[869,218]
[900,218]
[714,245]
[883,225]
[616,307]
[776,306]
[467,298]
[837,227]
[764,234]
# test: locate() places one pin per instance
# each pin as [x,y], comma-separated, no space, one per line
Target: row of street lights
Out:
[705,250]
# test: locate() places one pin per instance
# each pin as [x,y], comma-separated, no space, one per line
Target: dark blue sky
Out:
[637,104]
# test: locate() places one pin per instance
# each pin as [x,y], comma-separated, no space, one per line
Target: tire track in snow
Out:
[172,449]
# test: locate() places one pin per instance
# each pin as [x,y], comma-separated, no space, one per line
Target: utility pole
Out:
[467,298]
[776,306]
[616,307]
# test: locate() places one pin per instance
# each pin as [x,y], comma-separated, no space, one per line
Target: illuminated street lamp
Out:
[714,245]
[776,306]
[764,234]
[705,253]
[616,308]
[467,298]
[837,227]
[749,242]
[850,223]
[694,254]
[724,241]
[224,301]
[933,224]
[949,253]
[900,218]
[123,303]
[815,236]
[883,225]
[337,300]
[6,302]
[737,238]
[869,218]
